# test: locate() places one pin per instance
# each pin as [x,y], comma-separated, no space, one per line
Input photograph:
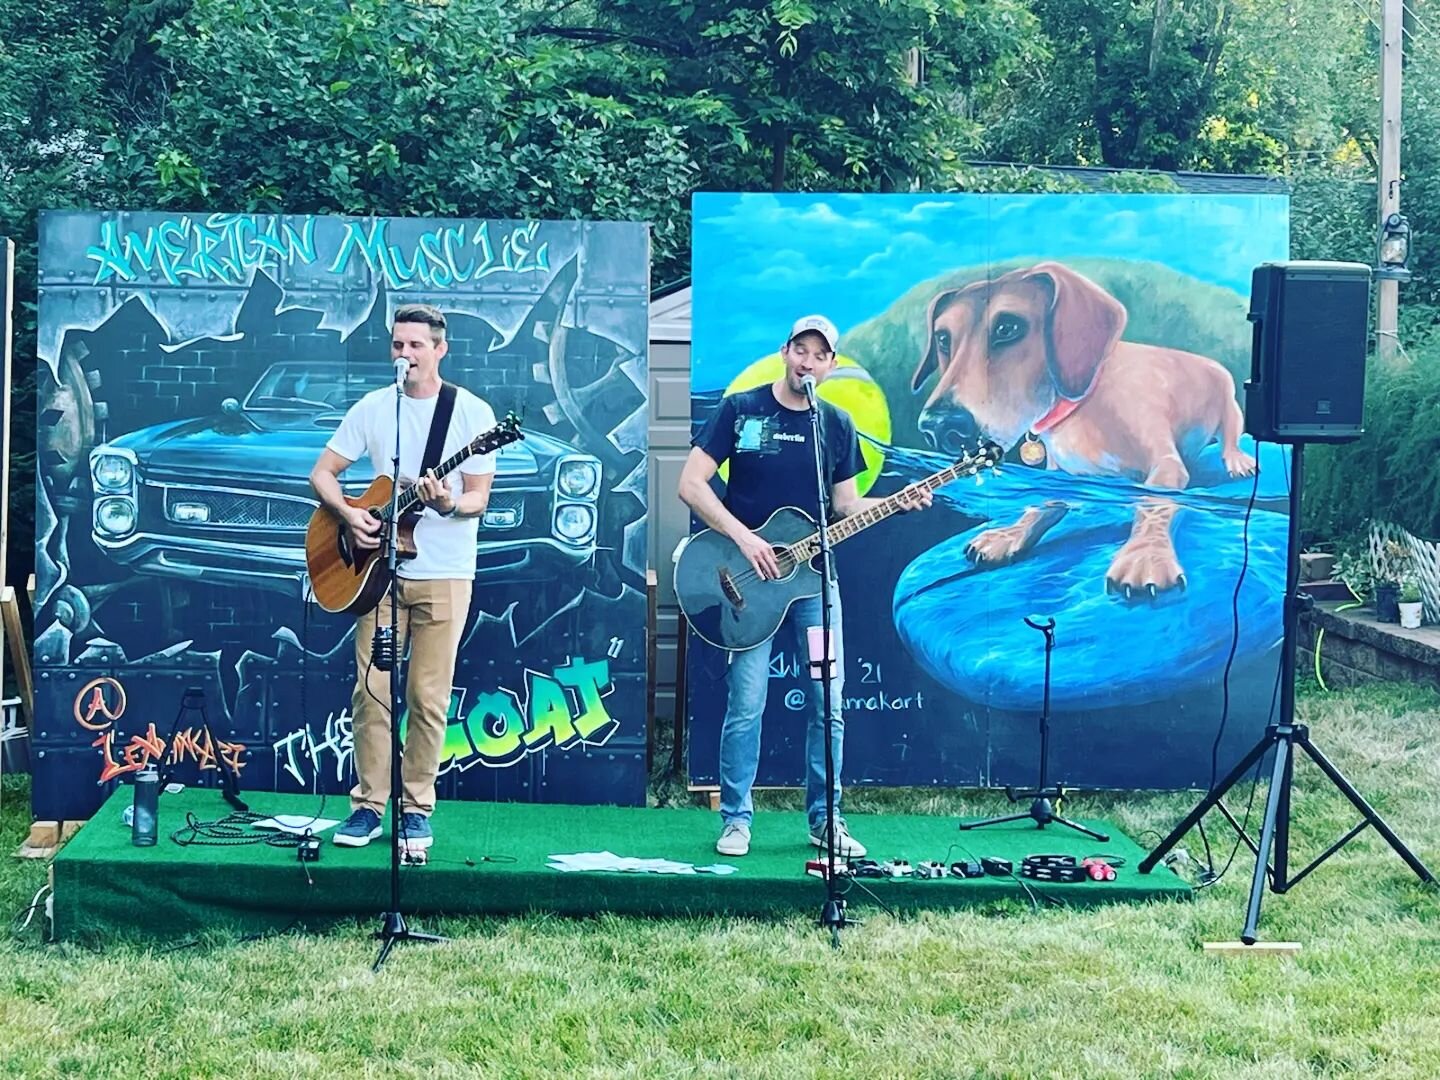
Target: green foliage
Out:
[1390,474]
[818,96]
[1164,307]
[409,109]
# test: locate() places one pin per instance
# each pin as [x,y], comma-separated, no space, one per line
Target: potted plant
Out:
[1392,562]
[1409,604]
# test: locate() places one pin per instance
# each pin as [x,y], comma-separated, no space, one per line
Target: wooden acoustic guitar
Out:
[729,605]
[346,578]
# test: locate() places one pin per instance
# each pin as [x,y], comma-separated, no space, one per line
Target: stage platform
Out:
[106,888]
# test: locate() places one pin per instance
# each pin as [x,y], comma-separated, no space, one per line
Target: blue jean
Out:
[748,682]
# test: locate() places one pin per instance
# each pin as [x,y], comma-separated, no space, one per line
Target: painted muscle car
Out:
[225,499]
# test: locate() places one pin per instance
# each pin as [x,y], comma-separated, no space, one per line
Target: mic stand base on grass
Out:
[393,929]
[392,922]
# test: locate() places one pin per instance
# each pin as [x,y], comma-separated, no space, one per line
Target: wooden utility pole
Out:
[1392,14]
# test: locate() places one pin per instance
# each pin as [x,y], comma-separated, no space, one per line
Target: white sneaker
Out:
[734,840]
[846,846]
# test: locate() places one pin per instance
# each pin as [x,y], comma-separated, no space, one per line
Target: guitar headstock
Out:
[502,434]
[987,456]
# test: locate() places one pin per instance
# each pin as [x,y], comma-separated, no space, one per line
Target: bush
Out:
[1392,473]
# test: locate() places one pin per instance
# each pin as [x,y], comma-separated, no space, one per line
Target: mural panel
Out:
[1101,341]
[191,371]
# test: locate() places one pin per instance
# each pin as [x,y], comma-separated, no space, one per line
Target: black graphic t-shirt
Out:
[771,460]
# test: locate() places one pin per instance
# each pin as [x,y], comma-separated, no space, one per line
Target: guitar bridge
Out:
[730,589]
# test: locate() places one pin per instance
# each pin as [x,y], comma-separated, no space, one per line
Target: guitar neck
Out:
[853,524]
[410,497]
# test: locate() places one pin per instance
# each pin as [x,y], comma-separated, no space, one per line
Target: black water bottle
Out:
[143,826]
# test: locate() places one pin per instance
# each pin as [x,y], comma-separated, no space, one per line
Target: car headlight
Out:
[574,523]
[115,517]
[578,478]
[113,472]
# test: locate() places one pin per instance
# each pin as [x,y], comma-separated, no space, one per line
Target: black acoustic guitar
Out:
[729,605]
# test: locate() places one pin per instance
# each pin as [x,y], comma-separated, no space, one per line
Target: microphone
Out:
[402,368]
[807,384]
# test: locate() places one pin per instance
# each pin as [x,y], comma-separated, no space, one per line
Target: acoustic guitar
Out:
[729,605]
[346,578]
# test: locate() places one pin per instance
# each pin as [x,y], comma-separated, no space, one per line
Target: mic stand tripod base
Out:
[1041,811]
[393,929]
[833,918]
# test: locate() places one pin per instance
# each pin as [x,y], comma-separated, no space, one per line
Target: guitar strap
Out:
[439,427]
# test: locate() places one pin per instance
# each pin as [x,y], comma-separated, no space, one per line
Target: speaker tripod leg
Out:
[1276,802]
[1358,801]
[1212,798]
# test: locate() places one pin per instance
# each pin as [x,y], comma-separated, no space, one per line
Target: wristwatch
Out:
[454,506]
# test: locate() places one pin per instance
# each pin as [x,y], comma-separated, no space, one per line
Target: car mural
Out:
[225,498]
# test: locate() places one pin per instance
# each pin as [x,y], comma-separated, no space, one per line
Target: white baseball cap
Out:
[820,325]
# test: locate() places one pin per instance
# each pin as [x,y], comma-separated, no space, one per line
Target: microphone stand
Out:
[387,652]
[832,914]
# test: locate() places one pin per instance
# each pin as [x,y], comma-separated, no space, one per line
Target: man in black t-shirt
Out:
[765,434]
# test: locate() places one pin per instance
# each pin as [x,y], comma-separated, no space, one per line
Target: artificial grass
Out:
[490,858]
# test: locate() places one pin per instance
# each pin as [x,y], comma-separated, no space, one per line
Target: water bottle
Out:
[147,807]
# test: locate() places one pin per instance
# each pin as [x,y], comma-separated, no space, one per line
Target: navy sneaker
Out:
[415,832]
[359,829]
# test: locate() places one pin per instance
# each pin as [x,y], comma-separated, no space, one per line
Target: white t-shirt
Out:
[445,546]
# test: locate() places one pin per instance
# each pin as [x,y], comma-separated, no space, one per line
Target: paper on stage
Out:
[298,824]
[608,860]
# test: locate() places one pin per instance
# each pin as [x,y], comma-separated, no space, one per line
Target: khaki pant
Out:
[431,615]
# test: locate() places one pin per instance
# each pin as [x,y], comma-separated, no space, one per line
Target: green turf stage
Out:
[105,886]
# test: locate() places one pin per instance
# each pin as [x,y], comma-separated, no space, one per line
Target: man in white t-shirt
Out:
[434,588]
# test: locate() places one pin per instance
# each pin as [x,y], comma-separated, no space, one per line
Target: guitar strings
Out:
[786,557]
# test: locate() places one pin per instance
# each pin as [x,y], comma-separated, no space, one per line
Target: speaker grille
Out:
[1322,353]
[1310,349]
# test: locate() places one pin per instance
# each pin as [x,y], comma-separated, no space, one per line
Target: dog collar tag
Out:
[1032,451]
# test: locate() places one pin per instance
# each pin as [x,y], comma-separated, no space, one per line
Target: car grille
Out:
[506,510]
[239,509]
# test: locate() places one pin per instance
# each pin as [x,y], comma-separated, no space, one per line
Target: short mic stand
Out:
[832,914]
[386,654]
[1044,798]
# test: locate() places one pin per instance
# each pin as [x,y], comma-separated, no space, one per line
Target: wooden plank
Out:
[14,633]
[650,668]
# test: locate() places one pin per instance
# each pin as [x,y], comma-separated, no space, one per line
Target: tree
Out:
[837,95]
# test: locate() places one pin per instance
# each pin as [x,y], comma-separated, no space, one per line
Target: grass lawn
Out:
[1005,992]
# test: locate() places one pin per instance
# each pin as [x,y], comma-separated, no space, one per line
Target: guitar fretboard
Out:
[505,432]
[846,527]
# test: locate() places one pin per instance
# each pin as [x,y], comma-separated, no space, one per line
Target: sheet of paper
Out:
[297,823]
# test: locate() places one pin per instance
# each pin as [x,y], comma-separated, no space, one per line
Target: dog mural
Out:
[1036,355]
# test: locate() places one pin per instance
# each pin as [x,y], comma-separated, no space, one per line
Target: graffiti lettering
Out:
[143,749]
[563,709]
[222,248]
[444,256]
[101,697]
[338,741]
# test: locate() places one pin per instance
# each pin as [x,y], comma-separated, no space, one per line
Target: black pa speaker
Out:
[1307,364]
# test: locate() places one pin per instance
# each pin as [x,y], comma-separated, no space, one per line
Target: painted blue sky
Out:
[763,260]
